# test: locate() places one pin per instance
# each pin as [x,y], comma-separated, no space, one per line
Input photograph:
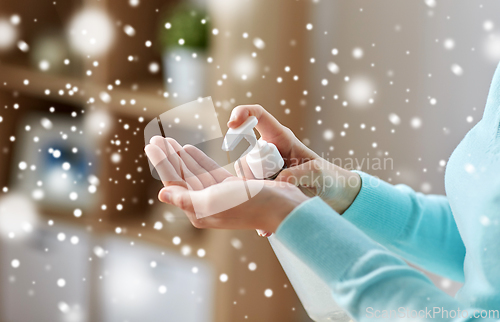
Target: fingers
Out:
[209,201]
[243,170]
[263,233]
[177,196]
[175,145]
[167,161]
[167,173]
[206,179]
[238,169]
[218,173]
[173,148]
[192,180]
[172,156]
[272,131]
[203,175]
[268,126]
[191,164]
[181,198]
[160,142]
[231,178]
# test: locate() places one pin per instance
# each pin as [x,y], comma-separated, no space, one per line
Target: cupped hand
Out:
[185,166]
[226,205]
[212,197]
[314,175]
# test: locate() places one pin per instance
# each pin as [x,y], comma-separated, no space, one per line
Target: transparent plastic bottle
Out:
[265,162]
[313,292]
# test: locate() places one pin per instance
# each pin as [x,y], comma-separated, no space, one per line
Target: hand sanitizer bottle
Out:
[265,162]
[263,158]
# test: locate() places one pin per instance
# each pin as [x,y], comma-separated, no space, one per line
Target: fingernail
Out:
[231,119]
[165,196]
[263,233]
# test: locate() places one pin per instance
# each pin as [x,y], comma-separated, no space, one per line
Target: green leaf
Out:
[189,23]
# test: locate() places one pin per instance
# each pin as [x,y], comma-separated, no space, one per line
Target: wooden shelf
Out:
[120,99]
[242,295]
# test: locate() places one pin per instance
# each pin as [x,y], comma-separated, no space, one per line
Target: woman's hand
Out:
[338,187]
[224,206]
[315,176]
[293,151]
[212,197]
[185,166]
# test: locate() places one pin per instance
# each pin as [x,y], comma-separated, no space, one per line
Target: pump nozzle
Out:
[234,136]
[263,158]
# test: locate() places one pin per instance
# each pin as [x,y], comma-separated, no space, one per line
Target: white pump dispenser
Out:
[265,162]
[263,158]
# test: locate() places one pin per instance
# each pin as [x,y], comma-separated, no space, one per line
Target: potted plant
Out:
[184,39]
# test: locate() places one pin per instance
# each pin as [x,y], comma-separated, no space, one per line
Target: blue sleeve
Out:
[365,278]
[420,228]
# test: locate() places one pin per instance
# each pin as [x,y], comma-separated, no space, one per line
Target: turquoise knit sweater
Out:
[457,236]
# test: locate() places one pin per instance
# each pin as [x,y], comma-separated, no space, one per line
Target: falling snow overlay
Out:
[386,88]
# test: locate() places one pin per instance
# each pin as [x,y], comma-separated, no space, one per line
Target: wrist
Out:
[286,208]
[348,185]
[351,191]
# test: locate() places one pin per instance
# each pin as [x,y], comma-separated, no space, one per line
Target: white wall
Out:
[386,30]
[456,96]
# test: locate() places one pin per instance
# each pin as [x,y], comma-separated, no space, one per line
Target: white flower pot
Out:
[184,72]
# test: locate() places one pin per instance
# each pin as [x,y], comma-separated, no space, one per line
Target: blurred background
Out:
[82,235]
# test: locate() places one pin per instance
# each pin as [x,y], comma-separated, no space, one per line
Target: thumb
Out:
[268,126]
[177,196]
[263,233]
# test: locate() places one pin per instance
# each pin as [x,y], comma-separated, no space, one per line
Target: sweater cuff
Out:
[381,210]
[323,240]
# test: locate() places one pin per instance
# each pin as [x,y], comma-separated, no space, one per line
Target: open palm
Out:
[211,196]
[186,166]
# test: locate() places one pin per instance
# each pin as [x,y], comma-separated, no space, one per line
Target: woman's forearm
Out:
[420,228]
[365,278]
